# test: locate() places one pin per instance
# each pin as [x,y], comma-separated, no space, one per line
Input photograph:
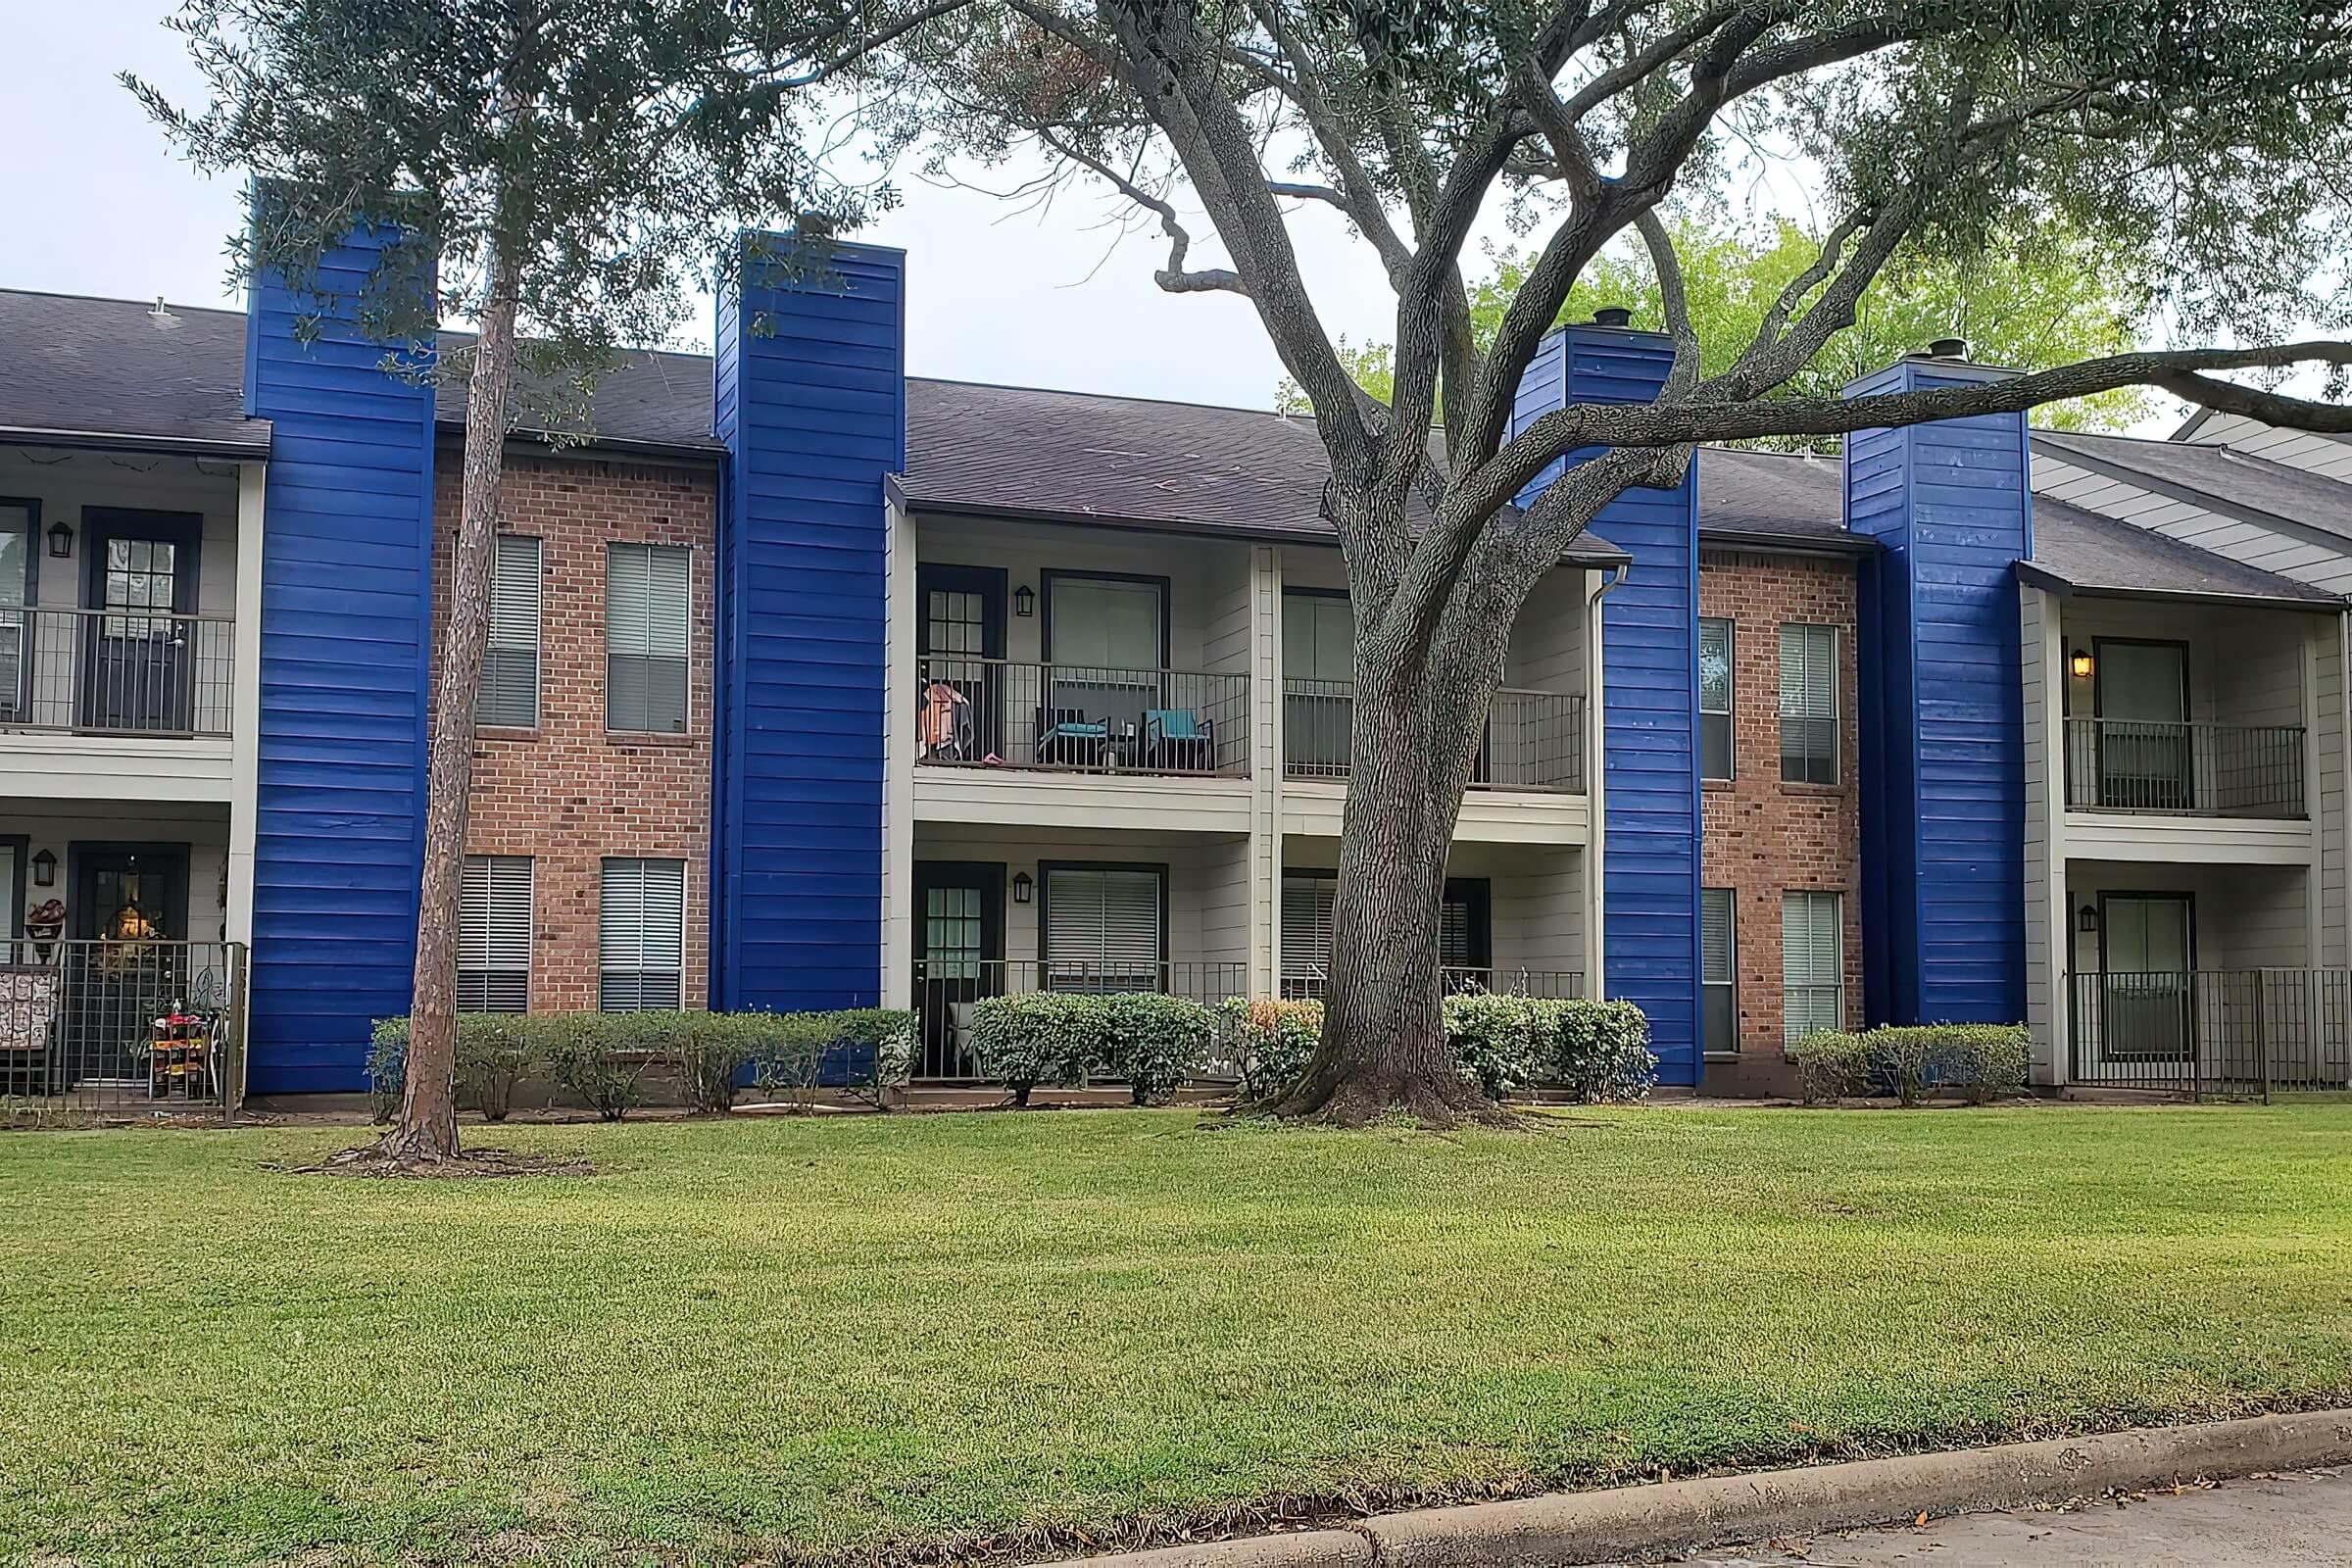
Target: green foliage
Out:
[388,1067]
[495,1051]
[1156,1042]
[711,1049]
[1507,1044]
[1979,1060]
[1831,1064]
[1272,1040]
[601,1057]
[1040,1036]
[1604,1053]
[789,1050]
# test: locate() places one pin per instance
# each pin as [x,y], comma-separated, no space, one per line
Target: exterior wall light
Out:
[61,540]
[1023,888]
[44,870]
[1024,600]
[2088,922]
[2080,664]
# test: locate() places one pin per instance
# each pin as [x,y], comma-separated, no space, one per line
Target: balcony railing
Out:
[2212,1031]
[1564,985]
[2186,770]
[996,713]
[1534,740]
[947,988]
[94,1025]
[115,671]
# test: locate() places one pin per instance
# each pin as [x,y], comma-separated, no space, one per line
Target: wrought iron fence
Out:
[2223,1032]
[1533,741]
[2190,769]
[95,1025]
[996,713]
[1568,985]
[115,671]
[947,990]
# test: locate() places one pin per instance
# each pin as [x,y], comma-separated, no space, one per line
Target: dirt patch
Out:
[370,1161]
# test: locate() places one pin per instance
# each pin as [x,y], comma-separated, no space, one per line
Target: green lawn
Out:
[865,1331]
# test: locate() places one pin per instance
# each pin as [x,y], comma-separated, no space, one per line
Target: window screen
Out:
[641,934]
[1715,699]
[1718,971]
[1809,705]
[1812,965]
[510,691]
[648,607]
[494,934]
[1103,930]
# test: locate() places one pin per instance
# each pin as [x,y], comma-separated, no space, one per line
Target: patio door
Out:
[958,958]
[128,908]
[1318,669]
[140,570]
[959,646]
[19,533]
[2142,693]
[1107,639]
[2147,959]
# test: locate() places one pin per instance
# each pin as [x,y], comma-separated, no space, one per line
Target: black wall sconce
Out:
[2080,664]
[1024,600]
[1023,889]
[2088,922]
[61,540]
[44,870]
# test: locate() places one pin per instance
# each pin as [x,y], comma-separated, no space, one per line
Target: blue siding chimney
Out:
[1650,676]
[811,399]
[346,647]
[1941,720]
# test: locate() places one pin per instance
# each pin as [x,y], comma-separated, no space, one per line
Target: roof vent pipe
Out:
[1948,348]
[1612,315]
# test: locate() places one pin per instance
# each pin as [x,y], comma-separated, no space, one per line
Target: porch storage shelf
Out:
[2227,1032]
[999,713]
[2192,768]
[1534,740]
[115,671]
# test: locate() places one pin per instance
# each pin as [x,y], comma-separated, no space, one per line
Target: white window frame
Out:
[645,967]
[518,593]
[1803,1006]
[1800,706]
[495,940]
[617,636]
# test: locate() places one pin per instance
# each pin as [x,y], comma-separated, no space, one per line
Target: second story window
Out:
[1809,705]
[648,604]
[1714,699]
[509,689]
[494,934]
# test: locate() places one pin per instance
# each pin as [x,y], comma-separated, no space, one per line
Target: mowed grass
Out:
[867,1333]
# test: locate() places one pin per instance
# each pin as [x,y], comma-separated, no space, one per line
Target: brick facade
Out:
[1763,837]
[567,793]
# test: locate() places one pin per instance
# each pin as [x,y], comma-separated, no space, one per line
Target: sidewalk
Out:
[2281,1521]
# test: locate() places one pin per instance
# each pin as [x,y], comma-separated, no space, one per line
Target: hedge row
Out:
[1979,1060]
[603,1056]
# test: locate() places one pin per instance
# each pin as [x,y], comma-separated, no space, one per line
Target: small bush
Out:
[711,1049]
[1156,1042]
[1832,1065]
[1979,1060]
[1040,1036]
[1990,1059]
[601,1056]
[1603,1052]
[494,1052]
[886,1037]
[1503,1044]
[388,1067]
[1272,1041]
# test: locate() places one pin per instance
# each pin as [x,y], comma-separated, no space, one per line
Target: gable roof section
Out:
[2220,479]
[1774,500]
[2076,551]
[76,371]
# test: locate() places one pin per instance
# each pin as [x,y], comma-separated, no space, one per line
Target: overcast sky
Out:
[98,205]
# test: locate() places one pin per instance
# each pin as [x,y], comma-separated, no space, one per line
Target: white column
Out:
[1265,771]
[898,761]
[2050,913]
[245,703]
[2314,798]
[1597,791]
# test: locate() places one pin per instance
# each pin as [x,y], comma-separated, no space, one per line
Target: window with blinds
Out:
[1306,923]
[648,609]
[509,689]
[1718,971]
[1812,965]
[1714,699]
[494,934]
[641,934]
[1809,705]
[1104,930]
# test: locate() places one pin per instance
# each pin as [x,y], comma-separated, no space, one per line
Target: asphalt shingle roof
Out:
[1763,496]
[2228,480]
[2094,554]
[116,367]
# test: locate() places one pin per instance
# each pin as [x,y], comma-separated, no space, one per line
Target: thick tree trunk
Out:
[428,1128]
[1384,1037]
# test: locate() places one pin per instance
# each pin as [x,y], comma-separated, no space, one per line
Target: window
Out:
[1812,965]
[1718,971]
[20,536]
[648,604]
[1102,928]
[1464,923]
[1809,705]
[1104,624]
[494,934]
[641,934]
[1318,663]
[510,690]
[1714,699]
[1318,637]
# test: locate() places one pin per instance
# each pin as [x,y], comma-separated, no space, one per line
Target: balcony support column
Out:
[899,913]
[1266,752]
[245,703]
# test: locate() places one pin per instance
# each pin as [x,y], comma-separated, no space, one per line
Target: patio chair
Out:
[1179,740]
[1067,738]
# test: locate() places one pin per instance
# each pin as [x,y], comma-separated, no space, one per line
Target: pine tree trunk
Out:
[427,1127]
[1384,1037]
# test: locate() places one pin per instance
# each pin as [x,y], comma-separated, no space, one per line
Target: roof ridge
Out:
[116,299]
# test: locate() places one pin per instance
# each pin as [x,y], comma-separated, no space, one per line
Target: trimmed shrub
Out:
[494,1052]
[1979,1059]
[388,1067]
[1602,1052]
[1156,1042]
[1040,1036]
[1831,1064]
[1991,1059]
[1503,1044]
[601,1057]
[883,1036]
[1272,1040]
[711,1049]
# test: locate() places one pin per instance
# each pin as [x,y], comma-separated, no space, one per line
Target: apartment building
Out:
[813,684]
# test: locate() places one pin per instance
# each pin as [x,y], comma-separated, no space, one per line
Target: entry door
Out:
[959,644]
[958,958]
[138,660]
[18,530]
[128,911]
[2147,944]
[2144,739]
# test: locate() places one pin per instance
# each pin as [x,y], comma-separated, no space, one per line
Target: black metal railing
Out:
[1533,741]
[1312,981]
[2227,1032]
[997,713]
[947,990]
[115,671]
[2191,769]
[93,1025]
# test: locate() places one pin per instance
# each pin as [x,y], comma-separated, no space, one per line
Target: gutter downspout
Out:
[1596,797]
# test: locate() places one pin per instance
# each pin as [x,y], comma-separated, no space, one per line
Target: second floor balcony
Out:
[138,672]
[1534,740]
[2186,768]
[1088,718]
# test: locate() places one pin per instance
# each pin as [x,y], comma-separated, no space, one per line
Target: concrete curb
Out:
[1563,1529]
